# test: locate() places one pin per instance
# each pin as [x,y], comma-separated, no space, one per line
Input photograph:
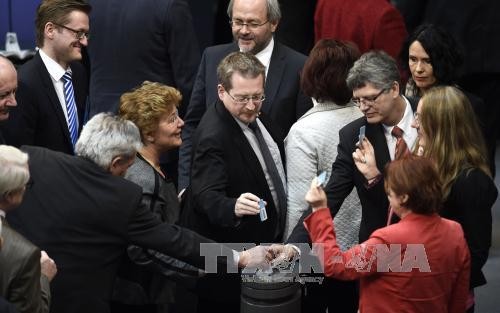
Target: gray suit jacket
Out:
[21,282]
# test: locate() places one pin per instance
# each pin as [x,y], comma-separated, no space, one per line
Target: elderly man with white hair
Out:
[85,215]
[25,270]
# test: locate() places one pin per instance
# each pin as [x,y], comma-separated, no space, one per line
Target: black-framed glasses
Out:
[244,100]
[367,100]
[238,24]
[79,34]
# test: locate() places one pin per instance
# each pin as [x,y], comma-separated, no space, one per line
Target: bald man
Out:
[8,86]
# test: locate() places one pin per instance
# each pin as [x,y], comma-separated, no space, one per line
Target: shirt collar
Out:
[264,56]
[405,122]
[55,70]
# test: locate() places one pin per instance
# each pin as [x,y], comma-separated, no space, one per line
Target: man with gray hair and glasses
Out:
[375,81]
[253,23]
[84,214]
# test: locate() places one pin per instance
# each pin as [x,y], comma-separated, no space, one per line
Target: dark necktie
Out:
[69,97]
[401,147]
[271,165]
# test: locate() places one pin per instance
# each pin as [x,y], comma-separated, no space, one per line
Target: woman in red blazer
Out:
[420,264]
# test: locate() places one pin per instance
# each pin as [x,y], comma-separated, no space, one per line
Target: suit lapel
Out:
[50,91]
[242,145]
[375,133]
[274,76]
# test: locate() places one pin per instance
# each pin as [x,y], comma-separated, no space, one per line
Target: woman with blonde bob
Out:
[448,132]
[143,285]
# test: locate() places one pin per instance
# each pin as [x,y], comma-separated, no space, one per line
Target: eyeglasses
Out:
[173,117]
[79,34]
[244,100]
[367,100]
[238,24]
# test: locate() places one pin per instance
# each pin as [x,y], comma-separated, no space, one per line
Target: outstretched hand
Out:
[316,196]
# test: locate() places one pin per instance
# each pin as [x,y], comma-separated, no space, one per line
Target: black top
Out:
[469,203]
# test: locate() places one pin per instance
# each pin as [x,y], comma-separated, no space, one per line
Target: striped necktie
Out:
[69,97]
[401,146]
[400,152]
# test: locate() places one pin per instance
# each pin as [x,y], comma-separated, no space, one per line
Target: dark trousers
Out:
[337,295]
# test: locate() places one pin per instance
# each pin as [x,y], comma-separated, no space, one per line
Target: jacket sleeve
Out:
[195,110]
[183,49]
[357,262]
[209,184]
[475,194]
[30,291]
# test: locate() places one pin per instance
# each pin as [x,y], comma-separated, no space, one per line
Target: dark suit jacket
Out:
[471,198]
[21,282]
[85,218]
[134,41]
[224,167]
[6,307]
[39,118]
[345,176]
[284,102]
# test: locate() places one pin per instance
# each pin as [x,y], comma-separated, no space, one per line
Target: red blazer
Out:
[371,24]
[434,259]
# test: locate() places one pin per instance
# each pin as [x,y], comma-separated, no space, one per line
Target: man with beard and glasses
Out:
[53,86]
[253,23]
[237,192]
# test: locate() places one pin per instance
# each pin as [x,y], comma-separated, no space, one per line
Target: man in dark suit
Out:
[47,114]
[25,272]
[253,24]
[230,173]
[8,87]
[375,82]
[85,215]
[146,40]
[163,49]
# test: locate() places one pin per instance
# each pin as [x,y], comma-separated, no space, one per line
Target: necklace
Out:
[156,167]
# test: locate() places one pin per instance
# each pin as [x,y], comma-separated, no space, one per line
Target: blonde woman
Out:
[448,132]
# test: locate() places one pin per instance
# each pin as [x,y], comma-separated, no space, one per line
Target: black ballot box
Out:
[270,292]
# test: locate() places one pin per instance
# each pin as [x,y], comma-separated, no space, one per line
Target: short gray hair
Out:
[376,68]
[105,137]
[273,10]
[14,171]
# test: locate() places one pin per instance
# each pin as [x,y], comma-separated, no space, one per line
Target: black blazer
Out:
[345,176]
[39,118]
[471,198]
[134,41]
[284,103]
[224,167]
[85,218]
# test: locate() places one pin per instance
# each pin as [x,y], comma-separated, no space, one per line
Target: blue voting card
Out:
[263,212]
